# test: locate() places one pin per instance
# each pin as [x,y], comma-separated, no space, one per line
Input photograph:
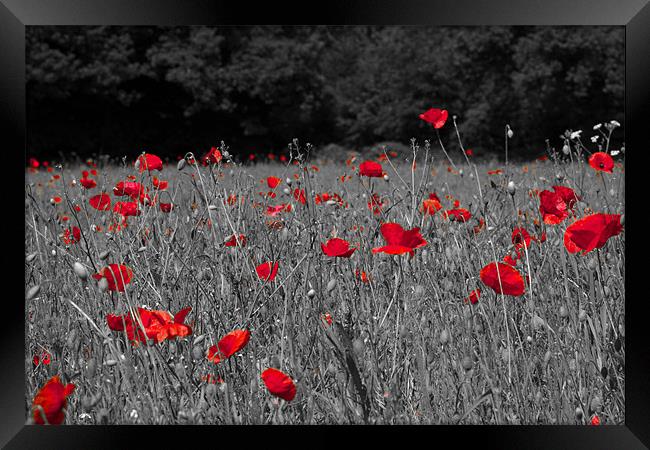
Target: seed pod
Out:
[103,255]
[331,284]
[311,293]
[80,270]
[33,292]
[510,133]
[596,404]
[386,177]
[579,414]
[198,339]
[563,311]
[181,164]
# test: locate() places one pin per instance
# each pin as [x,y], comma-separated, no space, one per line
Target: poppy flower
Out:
[71,236]
[279,384]
[166,207]
[327,317]
[88,183]
[299,195]
[160,185]
[495,172]
[213,156]
[362,275]
[117,275]
[132,189]
[51,400]
[228,345]
[601,162]
[148,162]
[595,420]
[458,214]
[521,238]
[591,232]
[511,280]
[277,209]
[473,297]
[101,202]
[469,152]
[273,182]
[36,360]
[232,242]
[126,208]
[375,204]
[267,271]
[568,195]
[158,325]
[47,358]
[479,227]
[431,206]
[399,240]
[56,200]
[508,259]
[552,207]
[436,117]
[371,169]
[337,247]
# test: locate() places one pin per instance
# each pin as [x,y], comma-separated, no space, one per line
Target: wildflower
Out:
[502,278]
[337,247]
[591,232]
[149,162]
[228,345]
[399,240]
[601,162]
[117,276]
[371,169]
[436,117]
[50,402]
[267,271]
[279,384]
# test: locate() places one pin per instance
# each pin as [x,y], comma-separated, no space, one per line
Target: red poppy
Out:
[33,162]
[228,345]
[495,172]
[431,206]
[117,275]
[371,169]
[521,238]
[595,420]
[602,162]
[511,280]
[279,384]
[399,240]
[568,195]
[47,358]
[473,297]
[362,275]
[327,317]
[273,182]
[469,152]
[508,259]
[88,183]
[160,184]
[51,400]
[101,202]
[591,232]
[148,162]
[56,199]
[275,210]
[552,207]
[299,194]
[337,247]
[458,214]
[36,360]
[267,271]
[126,208]
[232,242]
[132,189]
[158,325]
[71,236]
[166,207]
[213,156]
[375,204]
[436,117]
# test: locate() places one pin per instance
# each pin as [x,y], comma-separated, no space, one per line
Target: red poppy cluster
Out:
[158,325]
[556,205]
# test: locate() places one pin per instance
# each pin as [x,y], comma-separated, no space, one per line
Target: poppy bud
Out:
[563,311]
[510,133]
[275,361]
[582,315]
[103,255]
[331,285]
[311,293]
[444,337]
[579,413]
[358,347]
[604,371]
[32,256]
[80,270]
[596,404]
[537,322]
[289,182]
[198,339]
[110,362]
[565,149]
[467,362]
[102,284]
[511,188]
[529,339]
[33,292]
[617,344]
[181,164]
[386,177]
[286,191]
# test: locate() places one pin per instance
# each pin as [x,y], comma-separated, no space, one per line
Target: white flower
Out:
[576,134]
[594,139]
[597,126]
[615,123]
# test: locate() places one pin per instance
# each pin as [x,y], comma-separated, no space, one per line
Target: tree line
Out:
[120,90]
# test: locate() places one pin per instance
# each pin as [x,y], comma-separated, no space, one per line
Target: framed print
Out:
[404,217]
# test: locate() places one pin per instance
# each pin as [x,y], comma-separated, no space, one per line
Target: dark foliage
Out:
[117,90]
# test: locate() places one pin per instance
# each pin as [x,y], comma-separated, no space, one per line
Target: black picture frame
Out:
[634,15]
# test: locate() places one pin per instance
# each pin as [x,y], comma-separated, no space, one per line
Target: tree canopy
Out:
[119,90]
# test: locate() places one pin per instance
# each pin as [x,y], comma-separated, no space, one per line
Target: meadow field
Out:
[477,293]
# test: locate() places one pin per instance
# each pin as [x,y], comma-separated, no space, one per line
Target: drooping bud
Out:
[181,164]
[511,188]
[33,292]
[80,270]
